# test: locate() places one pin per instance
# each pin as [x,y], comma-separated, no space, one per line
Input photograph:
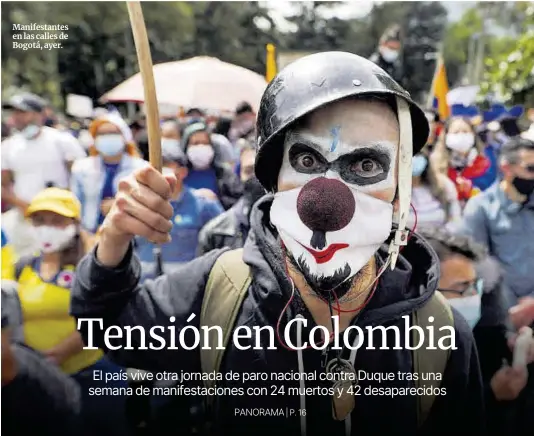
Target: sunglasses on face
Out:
[474,288]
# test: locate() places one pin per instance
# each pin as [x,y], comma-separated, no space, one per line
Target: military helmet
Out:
[315,81]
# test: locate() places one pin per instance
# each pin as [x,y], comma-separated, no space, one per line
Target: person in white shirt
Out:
[34,158]
[95,179]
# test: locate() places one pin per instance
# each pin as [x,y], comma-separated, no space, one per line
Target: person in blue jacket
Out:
[191,212]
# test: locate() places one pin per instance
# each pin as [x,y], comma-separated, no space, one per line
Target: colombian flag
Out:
[440,89]
[270,63]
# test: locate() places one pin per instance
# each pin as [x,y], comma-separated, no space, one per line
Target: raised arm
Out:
[107,289]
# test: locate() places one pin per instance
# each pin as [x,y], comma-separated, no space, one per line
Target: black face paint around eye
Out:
[353,167]
[364,166]
[305,159]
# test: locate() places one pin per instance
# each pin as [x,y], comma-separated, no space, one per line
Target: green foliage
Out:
[100,53]
[511,73]
[506,30]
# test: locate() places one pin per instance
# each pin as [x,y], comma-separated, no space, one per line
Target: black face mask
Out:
[252,190]
[523,186]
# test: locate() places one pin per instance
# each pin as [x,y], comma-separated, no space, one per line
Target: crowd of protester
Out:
[472,198]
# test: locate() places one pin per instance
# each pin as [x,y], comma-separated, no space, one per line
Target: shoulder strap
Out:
[430,361]
[226,288]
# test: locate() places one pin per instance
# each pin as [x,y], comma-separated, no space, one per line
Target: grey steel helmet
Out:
[315,81]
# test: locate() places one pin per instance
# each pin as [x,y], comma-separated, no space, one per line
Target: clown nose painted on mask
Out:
[331,229]
[325,205]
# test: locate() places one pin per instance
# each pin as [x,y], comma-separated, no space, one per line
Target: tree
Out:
[482,27]
[424,26]
[511,74]
[99,52]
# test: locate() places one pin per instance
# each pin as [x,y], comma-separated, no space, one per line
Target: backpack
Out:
[227,287]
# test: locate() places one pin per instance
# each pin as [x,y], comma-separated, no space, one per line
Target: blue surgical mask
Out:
[110,145]
[30,131]
[469,308]
[419,164]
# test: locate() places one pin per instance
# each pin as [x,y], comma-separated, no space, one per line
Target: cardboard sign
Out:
[79,106]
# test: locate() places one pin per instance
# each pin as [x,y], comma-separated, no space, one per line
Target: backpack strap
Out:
[430,361]
[225,291]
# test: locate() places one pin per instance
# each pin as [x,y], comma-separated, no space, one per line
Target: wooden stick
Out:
[144,58]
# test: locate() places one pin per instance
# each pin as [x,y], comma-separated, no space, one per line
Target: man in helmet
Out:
[335,137]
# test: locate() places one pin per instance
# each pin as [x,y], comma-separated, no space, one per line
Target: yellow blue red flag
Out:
[440,89]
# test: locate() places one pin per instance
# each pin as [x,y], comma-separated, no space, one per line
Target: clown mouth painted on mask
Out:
[330,224]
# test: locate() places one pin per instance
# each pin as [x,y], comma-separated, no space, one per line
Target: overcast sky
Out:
[350,9]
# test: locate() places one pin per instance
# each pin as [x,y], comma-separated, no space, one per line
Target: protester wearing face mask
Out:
[388,55]
[44,284]
[231,228]
[170,138]
[206,171]
[190,213]
[35,157]
[95,178]
[323,245]
[502,218]
[467,162]
[472,284]
[434,195]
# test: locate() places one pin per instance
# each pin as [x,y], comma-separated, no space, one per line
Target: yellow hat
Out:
[60,201]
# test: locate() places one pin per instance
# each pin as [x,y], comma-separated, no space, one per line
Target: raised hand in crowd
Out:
[141,208]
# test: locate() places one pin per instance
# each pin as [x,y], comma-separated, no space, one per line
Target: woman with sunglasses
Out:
[472,283]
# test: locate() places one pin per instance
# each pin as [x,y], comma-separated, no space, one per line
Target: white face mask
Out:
[171,148]
[53,239]
[30,131]
[460,142]
[201,156]
[389,55]
[337,254]
[469,308]
[110,145]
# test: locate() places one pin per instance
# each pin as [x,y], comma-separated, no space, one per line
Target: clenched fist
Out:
[141,208]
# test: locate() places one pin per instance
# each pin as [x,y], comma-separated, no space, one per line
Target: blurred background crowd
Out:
[73,125]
